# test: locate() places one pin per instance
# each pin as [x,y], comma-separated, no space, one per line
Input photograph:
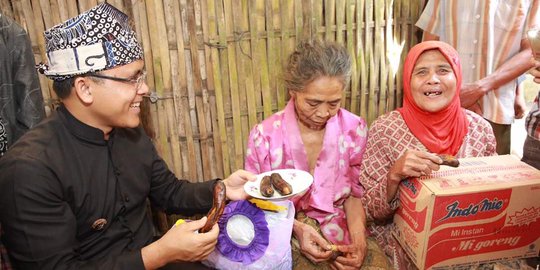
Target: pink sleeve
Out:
[360,139]
[257,153]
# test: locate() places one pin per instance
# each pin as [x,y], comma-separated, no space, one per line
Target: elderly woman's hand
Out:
[412,163]
[312,244]
[353,255]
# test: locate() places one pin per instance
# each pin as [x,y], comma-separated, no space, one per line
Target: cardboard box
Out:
[487,209]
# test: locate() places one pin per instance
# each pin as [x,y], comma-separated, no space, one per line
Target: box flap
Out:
[481,174]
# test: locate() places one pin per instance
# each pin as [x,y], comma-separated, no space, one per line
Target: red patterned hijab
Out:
[441,132]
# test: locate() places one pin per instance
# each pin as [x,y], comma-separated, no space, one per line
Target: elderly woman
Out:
[404,142]
[313,133]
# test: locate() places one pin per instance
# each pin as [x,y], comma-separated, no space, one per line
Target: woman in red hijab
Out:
[404,142]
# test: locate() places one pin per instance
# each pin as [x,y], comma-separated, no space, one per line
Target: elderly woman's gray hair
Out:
[313,59]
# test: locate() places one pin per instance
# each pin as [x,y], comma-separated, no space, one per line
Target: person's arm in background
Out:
[520,106]
[430,22]
[515,66]
[508,71]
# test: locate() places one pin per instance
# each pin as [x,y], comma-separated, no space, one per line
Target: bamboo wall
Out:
[215,64]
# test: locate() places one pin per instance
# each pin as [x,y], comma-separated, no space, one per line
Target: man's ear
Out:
[83,90]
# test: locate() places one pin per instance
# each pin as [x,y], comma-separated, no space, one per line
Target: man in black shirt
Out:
[73,190]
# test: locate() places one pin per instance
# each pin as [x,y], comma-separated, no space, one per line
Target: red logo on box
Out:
[466,207]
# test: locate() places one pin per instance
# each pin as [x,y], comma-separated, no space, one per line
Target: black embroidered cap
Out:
[97,39]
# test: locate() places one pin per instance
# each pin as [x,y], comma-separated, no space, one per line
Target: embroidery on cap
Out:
[98,39]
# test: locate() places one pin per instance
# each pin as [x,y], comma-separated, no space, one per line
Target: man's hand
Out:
[235,184]
[181,243]
[535,72]
[312,244]
[470,93]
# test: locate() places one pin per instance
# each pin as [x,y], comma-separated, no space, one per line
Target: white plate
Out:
[299,180]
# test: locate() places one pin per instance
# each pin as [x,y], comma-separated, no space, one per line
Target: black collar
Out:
[81,130]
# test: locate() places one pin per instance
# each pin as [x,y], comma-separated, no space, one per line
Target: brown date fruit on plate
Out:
[266,187]
[280,185]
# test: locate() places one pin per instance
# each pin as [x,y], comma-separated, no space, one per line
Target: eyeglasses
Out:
[137,81]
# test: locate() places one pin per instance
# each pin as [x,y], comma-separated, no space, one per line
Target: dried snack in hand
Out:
[449,160]
[335,252]
[218,206]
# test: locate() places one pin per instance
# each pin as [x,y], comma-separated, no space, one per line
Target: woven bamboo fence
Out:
[215,64]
